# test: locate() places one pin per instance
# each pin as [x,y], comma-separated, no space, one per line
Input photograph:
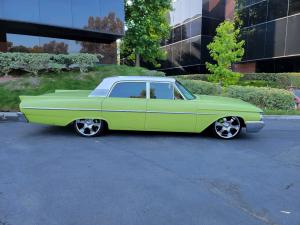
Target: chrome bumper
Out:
[22,118]
[254,126]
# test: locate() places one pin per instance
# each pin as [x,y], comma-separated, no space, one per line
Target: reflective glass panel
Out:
[185,53]
[244,16]
[23,43]
[56,12]
[112,13]
[275,38]
[54,45]
[293,34]
[20,10]
[186,31]
[161,91]
[195,50]
[209,26]
[176,53]
[256,42]
[85,14]
[258,13]
[195,8]
[129,90]
[214,8]
[277,9]
[294,7]
[196,27]
[177,34]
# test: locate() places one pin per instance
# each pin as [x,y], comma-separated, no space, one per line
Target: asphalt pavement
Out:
[51,176]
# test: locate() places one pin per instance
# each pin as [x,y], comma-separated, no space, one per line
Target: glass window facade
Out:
[76,14]
[271,28]
[62,26]
[194,23]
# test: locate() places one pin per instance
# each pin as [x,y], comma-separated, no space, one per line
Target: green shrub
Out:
[276,80]
[31,62]
[200,87]
[203,77]
[295,79]
[267,98]
[279,80]
[35,63]
[84,61]
[5,64]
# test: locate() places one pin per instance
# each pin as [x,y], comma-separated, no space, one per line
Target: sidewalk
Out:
[13,116]
[9,116]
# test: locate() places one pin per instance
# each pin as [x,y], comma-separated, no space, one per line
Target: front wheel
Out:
[227,127]
[89,127]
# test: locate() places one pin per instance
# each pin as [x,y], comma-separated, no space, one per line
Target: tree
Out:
[225,49]
[147,25]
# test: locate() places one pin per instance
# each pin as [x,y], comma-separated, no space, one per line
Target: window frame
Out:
[161,82]
[147,89]
[128,81]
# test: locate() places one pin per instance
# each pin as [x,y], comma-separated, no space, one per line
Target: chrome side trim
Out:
[121,110]
[162,112]
[116,110]
[67,109]
[254,126]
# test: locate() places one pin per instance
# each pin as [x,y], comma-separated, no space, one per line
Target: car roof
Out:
[103,88]
[109,81]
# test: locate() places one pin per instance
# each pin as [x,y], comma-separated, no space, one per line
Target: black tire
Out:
[89,127]
[227,128]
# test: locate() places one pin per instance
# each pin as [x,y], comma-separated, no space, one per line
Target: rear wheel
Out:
[89,127]
[227,127]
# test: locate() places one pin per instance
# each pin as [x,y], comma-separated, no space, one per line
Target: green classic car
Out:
[141,104]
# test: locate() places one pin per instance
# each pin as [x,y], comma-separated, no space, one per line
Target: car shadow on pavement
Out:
[69,132]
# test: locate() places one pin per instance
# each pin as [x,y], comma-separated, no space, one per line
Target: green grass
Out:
[47,83]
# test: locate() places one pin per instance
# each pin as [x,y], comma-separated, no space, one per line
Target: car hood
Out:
[225,103]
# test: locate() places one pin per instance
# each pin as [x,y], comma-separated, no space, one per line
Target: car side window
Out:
[177,95]
[161,90]
[129,90]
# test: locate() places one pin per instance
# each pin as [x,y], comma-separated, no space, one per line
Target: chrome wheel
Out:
[88,127]
[227,127]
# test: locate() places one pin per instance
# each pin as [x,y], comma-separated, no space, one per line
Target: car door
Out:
[167,110]
[125,106]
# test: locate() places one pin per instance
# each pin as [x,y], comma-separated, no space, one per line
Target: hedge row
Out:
[36,62]
[266,98]
[278,80]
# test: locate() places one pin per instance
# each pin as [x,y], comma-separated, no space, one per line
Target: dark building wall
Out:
[62,26]
[271,31]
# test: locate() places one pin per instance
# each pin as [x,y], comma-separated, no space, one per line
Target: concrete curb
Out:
[8,116]
[13,116]
[281,117]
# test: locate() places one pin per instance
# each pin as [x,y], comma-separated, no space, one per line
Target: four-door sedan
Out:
[141,104]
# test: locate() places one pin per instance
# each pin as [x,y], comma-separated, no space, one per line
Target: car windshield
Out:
[186,93]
